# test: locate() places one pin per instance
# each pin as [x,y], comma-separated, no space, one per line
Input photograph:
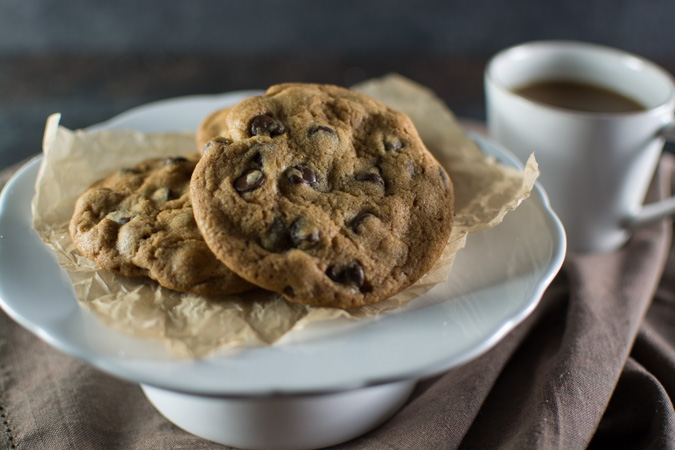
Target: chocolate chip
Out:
[392,143]
[258,159]
[444,177]
[276,239]
[125,220]
[304,233]
[358,220]
[303,175]
[217,140]
[264,124]
[371,176]
[289,292]
[174,160]
[121,217]
[161,195]
[322,128]
[250,180]
[352,274]
[333,272]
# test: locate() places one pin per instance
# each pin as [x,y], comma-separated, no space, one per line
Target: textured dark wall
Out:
[264,27]
[91,60]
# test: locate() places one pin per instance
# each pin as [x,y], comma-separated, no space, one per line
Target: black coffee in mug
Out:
[579,97]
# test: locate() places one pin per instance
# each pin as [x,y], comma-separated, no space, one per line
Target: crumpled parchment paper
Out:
[195,326]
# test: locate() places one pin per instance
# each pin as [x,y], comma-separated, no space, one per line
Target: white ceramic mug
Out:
[595,167]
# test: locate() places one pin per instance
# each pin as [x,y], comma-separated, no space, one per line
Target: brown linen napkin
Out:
[593,366]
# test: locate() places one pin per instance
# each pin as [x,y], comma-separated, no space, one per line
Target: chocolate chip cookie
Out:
[139,222]
[324,195]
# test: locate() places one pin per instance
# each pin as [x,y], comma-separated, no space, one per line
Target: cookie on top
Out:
[322,194]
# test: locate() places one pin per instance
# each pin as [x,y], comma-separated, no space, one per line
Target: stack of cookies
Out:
[317,192]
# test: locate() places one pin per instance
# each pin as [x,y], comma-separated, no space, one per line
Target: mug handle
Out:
[654,212]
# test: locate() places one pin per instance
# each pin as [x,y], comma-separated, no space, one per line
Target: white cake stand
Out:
[320,386]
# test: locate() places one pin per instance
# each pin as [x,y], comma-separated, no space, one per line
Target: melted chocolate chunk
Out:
[303,175]
[372,177]
[358,220]
[351,275]
[412,169]
[250,180]
[174,160]
[162,195]
[444,177]
[289,292]
[264,124]
[322,128]
[125,220]
[304,233]
[392,143]
[217,140]
[277,237]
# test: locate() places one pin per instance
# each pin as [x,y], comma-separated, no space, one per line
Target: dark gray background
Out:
[91,60]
